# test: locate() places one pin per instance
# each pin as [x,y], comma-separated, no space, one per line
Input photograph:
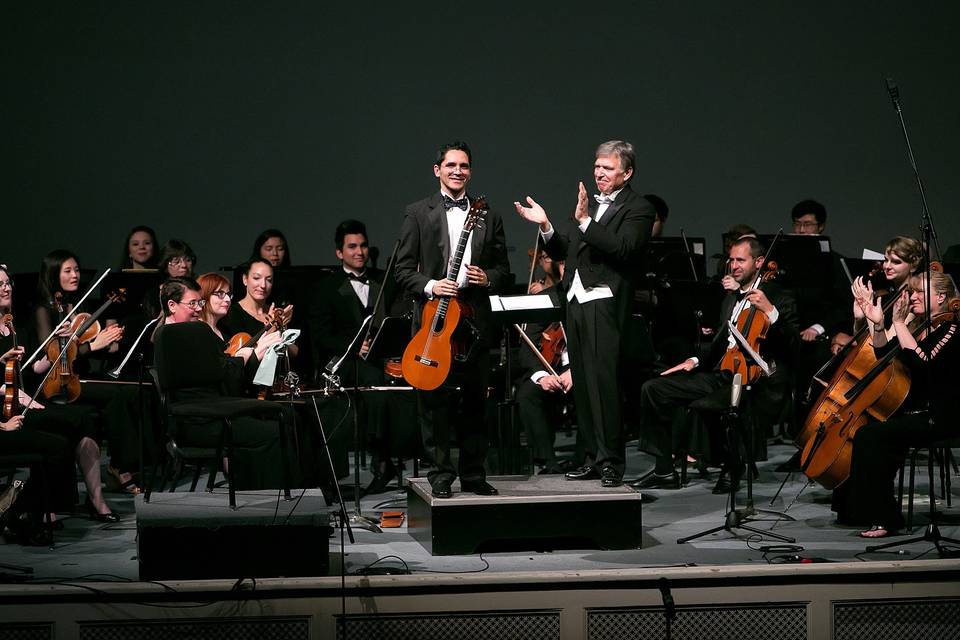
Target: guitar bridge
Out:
[427,362]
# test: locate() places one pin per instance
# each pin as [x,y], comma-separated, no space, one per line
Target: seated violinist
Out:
[257,458]
[867,497]
[708,390]
[59,290]
[256,309]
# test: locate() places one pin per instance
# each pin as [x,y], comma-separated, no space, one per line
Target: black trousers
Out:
[594,335]
[57,466]
[539,411]
[444,412]
[660,398]
[867,497]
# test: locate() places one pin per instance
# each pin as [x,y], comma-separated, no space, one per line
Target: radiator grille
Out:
[535,625]
[897,620]
[701,623]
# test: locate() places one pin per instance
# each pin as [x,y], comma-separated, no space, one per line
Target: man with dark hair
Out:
[430,232]
[601,246]
[809,217]
[824,307]
[709,390]
[338,306]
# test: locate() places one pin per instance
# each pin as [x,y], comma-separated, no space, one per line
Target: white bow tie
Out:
[603,199]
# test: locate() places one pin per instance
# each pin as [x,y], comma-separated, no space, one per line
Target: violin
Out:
[11,376]
[63,383]
[243,339]
[553,342]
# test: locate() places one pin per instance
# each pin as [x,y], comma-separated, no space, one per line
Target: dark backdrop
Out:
[211,121]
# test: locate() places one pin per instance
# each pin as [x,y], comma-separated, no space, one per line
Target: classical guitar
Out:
[426,360]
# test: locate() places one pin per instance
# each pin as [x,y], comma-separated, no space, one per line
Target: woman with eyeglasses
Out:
[73,424]
[118,405]
[177,259]
[216,293]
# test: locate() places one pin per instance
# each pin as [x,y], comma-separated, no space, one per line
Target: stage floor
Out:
[86,550]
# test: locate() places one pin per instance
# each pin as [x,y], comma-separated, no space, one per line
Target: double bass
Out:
[426,360]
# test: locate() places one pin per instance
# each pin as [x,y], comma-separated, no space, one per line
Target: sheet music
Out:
[521,303]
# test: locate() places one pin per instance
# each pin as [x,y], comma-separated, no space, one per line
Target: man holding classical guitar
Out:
[451,260]
[601,246]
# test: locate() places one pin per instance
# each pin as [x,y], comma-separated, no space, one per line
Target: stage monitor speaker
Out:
[193,536]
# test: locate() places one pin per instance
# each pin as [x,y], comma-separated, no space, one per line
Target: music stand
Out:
[512,310]
[390,340]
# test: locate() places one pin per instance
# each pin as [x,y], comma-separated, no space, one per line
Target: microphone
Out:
[669,609]
[894,92]
[735,390]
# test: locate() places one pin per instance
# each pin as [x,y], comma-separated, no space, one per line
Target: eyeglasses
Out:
[223,295]
[181,260]
[805,224]
[196,305]
[6,283]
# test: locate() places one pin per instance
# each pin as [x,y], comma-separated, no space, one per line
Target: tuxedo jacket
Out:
[783,339]
[425,251]
[609,251]
[335,313]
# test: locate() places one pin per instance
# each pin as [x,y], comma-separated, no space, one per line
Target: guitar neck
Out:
[454,269]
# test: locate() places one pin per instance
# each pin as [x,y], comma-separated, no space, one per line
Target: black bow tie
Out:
[362,278]
[450,203]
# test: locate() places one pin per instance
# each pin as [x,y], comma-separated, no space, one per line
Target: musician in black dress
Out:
[74,423]
[257,461]
[117,405]
[867,497]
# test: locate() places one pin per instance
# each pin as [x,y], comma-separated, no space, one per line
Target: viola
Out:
[63,383]
[11,376]
[753,325]
[427,358]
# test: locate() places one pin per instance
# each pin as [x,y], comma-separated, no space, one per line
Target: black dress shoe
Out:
[440,488]
[381,482]
[723,484]
[109,517]
[610,477]
[479,487]
[653,481]
[586,472]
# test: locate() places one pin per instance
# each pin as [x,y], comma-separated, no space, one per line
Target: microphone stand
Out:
[739,518]
[931,533]
[331,379]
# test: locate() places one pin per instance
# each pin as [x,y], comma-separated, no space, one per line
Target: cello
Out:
[866,389]
[427,358]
